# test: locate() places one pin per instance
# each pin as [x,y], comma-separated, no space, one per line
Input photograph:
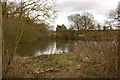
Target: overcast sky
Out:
[99,8]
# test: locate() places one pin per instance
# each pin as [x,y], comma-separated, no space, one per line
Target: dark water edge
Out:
[45,47]
[48,46]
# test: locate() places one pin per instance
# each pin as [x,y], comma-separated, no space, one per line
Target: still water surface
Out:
[45,47]
[54,47]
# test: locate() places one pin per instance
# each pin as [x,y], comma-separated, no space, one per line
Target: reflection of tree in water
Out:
[28,49]
[63,46]
[44,47]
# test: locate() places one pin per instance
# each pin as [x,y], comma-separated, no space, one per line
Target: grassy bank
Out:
[82,64]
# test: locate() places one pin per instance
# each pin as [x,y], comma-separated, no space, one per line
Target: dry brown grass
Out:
[15,70]
[104,51]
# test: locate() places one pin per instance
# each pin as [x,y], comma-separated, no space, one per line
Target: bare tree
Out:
[84,21]
[38,11]
[88,21]
[113,15]
[75,20]
[109,25]
[43,10]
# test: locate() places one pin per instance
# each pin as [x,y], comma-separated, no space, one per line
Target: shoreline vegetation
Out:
[65,65]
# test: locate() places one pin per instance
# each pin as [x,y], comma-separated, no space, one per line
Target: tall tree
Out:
[75,20]
[84,21]
[88,21]
[109,24]
[38,11]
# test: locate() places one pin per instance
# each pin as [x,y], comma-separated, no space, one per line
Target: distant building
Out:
[61,28]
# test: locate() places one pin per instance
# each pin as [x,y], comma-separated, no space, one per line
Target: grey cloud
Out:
[83,6]
[78,5]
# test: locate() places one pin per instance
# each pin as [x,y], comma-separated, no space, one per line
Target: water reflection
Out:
[45,47]
[55,47]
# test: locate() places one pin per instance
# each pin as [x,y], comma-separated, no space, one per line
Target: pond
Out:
[54,47]
[45,47]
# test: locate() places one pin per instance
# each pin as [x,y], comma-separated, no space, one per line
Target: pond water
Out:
[54,47]
[45,47]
